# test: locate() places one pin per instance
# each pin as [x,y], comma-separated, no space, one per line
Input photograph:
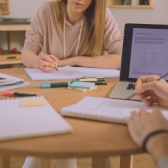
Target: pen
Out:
[88,80]
[161,77]
[10,93]
[46,54]
[53,85]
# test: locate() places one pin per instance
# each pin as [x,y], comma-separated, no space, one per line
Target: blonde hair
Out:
[93,28]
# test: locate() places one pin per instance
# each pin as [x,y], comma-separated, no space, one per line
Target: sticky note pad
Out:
[83,85]
[33,101]
[83,90]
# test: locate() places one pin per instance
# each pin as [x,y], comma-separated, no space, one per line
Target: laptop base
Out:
[120,91]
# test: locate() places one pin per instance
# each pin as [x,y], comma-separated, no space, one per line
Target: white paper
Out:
[66,72]
[11,82]
[10,87]
[21,122]
[95,72]
[11,79]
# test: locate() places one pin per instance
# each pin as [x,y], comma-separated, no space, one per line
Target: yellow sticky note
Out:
[33,101]
[82,90]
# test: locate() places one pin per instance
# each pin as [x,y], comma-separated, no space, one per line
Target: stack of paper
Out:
[10,82]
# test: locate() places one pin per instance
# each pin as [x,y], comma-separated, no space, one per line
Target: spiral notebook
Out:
[29,117]
[104,109]
[8,82]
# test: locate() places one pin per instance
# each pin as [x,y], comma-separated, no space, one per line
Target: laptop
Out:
[145,52]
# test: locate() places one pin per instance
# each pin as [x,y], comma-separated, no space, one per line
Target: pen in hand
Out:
[47,54]
[134,94]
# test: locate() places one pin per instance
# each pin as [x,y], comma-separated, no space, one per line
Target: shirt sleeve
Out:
[163,163]
[113,37]
[34,35]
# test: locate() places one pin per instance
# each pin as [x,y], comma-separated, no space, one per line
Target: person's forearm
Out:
[29,59]
[157,146]
[105,61]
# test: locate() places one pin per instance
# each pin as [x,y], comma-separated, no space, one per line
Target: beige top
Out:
[46,31]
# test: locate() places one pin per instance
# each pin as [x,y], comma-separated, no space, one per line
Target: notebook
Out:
[105,109]
[145,52]
[8,82]
[7,79]
[29,117]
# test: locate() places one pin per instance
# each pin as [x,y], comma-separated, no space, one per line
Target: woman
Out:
[73,32]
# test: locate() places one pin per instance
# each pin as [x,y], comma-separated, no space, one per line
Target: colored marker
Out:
[53,85]
[10,93]
[87,80]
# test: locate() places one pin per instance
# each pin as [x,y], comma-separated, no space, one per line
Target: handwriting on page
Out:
[66,72]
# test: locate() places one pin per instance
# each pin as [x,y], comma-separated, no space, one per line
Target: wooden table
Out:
[98,140]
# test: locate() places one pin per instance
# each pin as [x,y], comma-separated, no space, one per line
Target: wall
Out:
[24,8]
[158,15]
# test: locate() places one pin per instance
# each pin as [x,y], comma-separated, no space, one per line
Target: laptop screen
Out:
[145,51]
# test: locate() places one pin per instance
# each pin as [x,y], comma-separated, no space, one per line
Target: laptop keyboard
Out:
[131,86]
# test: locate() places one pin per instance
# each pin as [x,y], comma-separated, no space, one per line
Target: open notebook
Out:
[8,82]
[104,109]
[29,117]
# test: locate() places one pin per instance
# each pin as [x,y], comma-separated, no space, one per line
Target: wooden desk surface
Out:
[89,138]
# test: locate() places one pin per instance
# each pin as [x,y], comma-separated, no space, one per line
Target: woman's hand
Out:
[46,63]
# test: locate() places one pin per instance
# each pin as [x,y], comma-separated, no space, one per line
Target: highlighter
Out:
[10,93]
[53,85]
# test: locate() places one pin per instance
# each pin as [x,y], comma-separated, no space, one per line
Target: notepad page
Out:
[66,72]
[104,109]
[95,72]
[10,87]
[18,121]
[12,82]
[11,79]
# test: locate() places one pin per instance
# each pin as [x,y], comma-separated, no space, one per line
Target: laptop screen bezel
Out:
[127,44]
